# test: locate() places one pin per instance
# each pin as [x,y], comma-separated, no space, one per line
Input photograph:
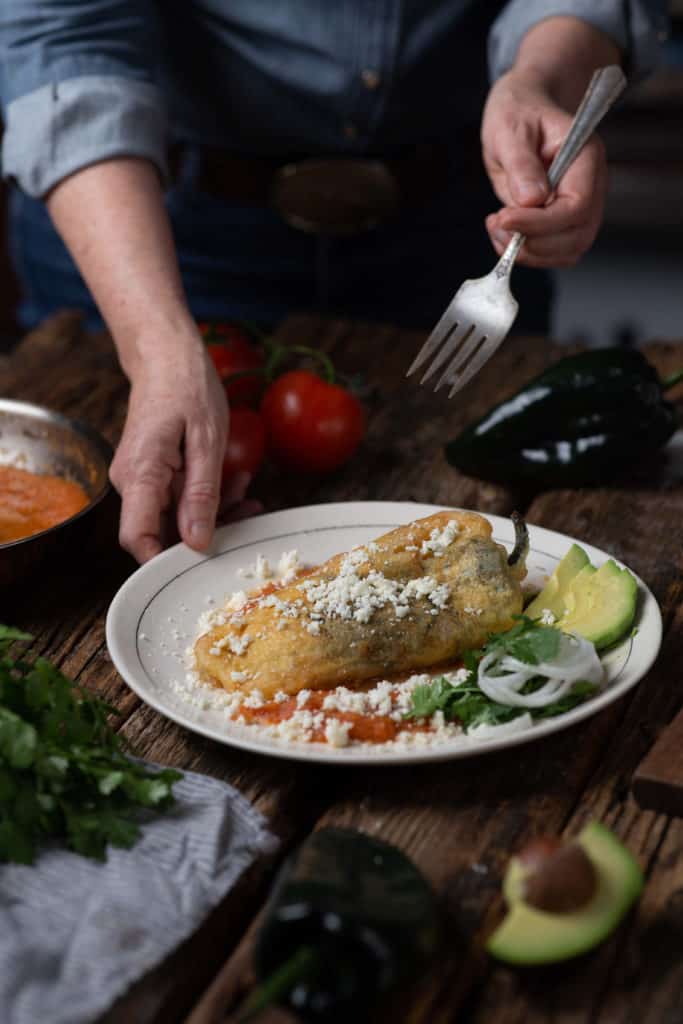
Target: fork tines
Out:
[449,339]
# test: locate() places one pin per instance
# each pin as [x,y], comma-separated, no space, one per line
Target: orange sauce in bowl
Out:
[31,502]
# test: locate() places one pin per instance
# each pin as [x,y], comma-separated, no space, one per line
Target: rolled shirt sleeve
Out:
[636,26]
[77,84]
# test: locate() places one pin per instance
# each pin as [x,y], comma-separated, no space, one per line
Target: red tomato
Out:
[312,426]
[246,445]
[231,353]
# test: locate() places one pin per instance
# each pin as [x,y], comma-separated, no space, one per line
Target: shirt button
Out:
[371,79]
[350,130]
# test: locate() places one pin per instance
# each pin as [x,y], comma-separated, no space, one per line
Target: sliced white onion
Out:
[574,653]
[486,731]
[502,677]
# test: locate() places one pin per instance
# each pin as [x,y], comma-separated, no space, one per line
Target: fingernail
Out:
[501,236]
[528,189]
[200,531]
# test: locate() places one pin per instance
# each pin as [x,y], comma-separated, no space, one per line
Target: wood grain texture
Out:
[658,780]
[460,823]
[460,820]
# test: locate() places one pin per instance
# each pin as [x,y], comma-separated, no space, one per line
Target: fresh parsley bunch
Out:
[465,702]
[63,773]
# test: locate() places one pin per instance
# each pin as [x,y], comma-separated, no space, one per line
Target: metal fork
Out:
[483,311]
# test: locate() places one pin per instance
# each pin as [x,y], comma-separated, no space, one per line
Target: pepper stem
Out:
[280,982]
[668,382]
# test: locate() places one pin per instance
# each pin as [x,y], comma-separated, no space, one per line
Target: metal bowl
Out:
[43,441]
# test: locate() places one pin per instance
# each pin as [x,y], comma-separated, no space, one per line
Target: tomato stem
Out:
[322,357]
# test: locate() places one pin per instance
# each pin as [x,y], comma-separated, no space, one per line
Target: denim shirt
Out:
[88,80]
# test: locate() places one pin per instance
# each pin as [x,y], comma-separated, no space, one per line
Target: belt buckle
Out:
[343,196]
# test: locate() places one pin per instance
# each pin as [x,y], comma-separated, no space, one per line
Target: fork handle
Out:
[603,89]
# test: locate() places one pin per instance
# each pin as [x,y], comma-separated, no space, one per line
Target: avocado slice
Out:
[552,595]
[600,605]
[529,936]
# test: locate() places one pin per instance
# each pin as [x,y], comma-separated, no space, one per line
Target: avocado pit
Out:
[556,907]
[558,879]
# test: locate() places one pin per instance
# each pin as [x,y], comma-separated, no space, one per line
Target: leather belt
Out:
[323,195]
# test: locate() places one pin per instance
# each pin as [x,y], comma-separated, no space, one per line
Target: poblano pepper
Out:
[350,918]
[579,422]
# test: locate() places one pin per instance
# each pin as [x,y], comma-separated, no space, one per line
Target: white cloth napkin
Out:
[76,933]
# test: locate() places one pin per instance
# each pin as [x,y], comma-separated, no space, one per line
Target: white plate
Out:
[153,618]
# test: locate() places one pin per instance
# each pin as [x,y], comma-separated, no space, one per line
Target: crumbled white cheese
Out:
[426,586]
[236,601]
[304,725]
[337,732]
[288,609]
[547,617]
[208,620]
[260,569]
[455,678]
[254,699]
[473,611]
[439,540]
[288,566]
[239,677]
[350,596]
[236,644]
[313,628]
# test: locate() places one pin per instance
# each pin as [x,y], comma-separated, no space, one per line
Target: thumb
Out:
[524,170]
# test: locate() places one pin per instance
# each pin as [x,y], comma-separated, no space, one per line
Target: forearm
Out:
[112,218]
[561,53]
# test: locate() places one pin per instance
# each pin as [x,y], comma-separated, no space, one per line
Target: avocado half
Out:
[598,604]
[529,936]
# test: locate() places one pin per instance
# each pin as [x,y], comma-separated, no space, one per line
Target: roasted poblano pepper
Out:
[350,919]
[579,422]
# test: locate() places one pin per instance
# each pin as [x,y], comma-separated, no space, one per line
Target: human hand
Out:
[522,129]
[167,467]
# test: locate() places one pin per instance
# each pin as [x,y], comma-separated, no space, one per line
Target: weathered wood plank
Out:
[603,982]
[658,780]
[461,821]
[458,821]
[645,529]
[58,366]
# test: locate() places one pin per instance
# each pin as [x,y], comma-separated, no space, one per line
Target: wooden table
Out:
[458,821]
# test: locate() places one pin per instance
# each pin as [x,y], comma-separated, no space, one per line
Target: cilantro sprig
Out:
[64,774]
[465,702]
[527,640]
